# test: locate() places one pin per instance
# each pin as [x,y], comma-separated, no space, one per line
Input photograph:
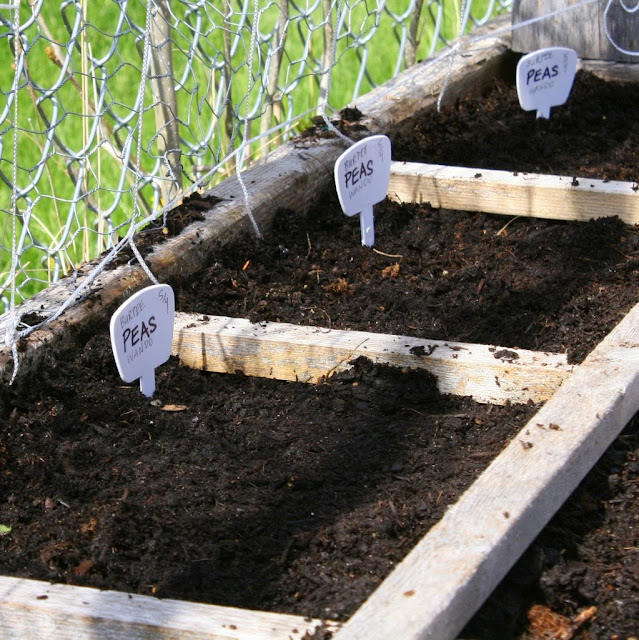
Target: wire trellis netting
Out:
[114,110]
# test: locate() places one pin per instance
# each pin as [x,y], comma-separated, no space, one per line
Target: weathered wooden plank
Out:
[435,590]
[611,71]
[165,108]
[43,611]
[582,28]
[513,193]
[468,72]
[308,354]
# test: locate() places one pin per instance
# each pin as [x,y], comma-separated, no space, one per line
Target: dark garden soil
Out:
[278,496]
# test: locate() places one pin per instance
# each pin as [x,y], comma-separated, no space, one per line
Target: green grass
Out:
[79,202]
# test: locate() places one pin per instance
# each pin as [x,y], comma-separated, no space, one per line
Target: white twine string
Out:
[10,336]
[455,48]
[527,23]
[331,63]
[246,134]
[138,161]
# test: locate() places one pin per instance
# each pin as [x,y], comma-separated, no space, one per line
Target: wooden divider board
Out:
[440,584]
[36,610]
[513,193]
[611,71]
[309,354]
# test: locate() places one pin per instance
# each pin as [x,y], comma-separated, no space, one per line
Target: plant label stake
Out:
[545,78]
[362,174]
[142,335]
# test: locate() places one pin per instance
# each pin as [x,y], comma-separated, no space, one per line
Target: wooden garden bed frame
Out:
[452,570]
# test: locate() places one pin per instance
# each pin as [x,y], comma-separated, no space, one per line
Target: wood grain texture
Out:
[436,589]
[611,71]
[582,28]
[308,354]
[513,193]
[455,73]
[35,610]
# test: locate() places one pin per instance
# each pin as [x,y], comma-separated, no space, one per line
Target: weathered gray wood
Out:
[308,354]
[513,193]
[474,67]
[165,109]
[582,28]
[286,179]
[35,610]
[611,71]
[436,589]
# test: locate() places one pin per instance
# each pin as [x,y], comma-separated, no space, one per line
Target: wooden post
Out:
[273,108]
[166,112]
[582,29]
[327,55]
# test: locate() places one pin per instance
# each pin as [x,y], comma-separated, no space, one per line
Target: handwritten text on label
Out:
[141,334]
[545,78]
[362,174]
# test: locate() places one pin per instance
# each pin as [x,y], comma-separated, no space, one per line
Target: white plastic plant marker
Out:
[545,78]
[362,174]
[142,335]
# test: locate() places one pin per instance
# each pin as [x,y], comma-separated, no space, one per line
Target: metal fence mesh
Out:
[112,109]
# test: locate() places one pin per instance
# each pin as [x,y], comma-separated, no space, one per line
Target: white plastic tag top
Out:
[142,335]
[362,174]
[545,78]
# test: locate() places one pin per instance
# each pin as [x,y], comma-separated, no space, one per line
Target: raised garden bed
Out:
[302,498]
